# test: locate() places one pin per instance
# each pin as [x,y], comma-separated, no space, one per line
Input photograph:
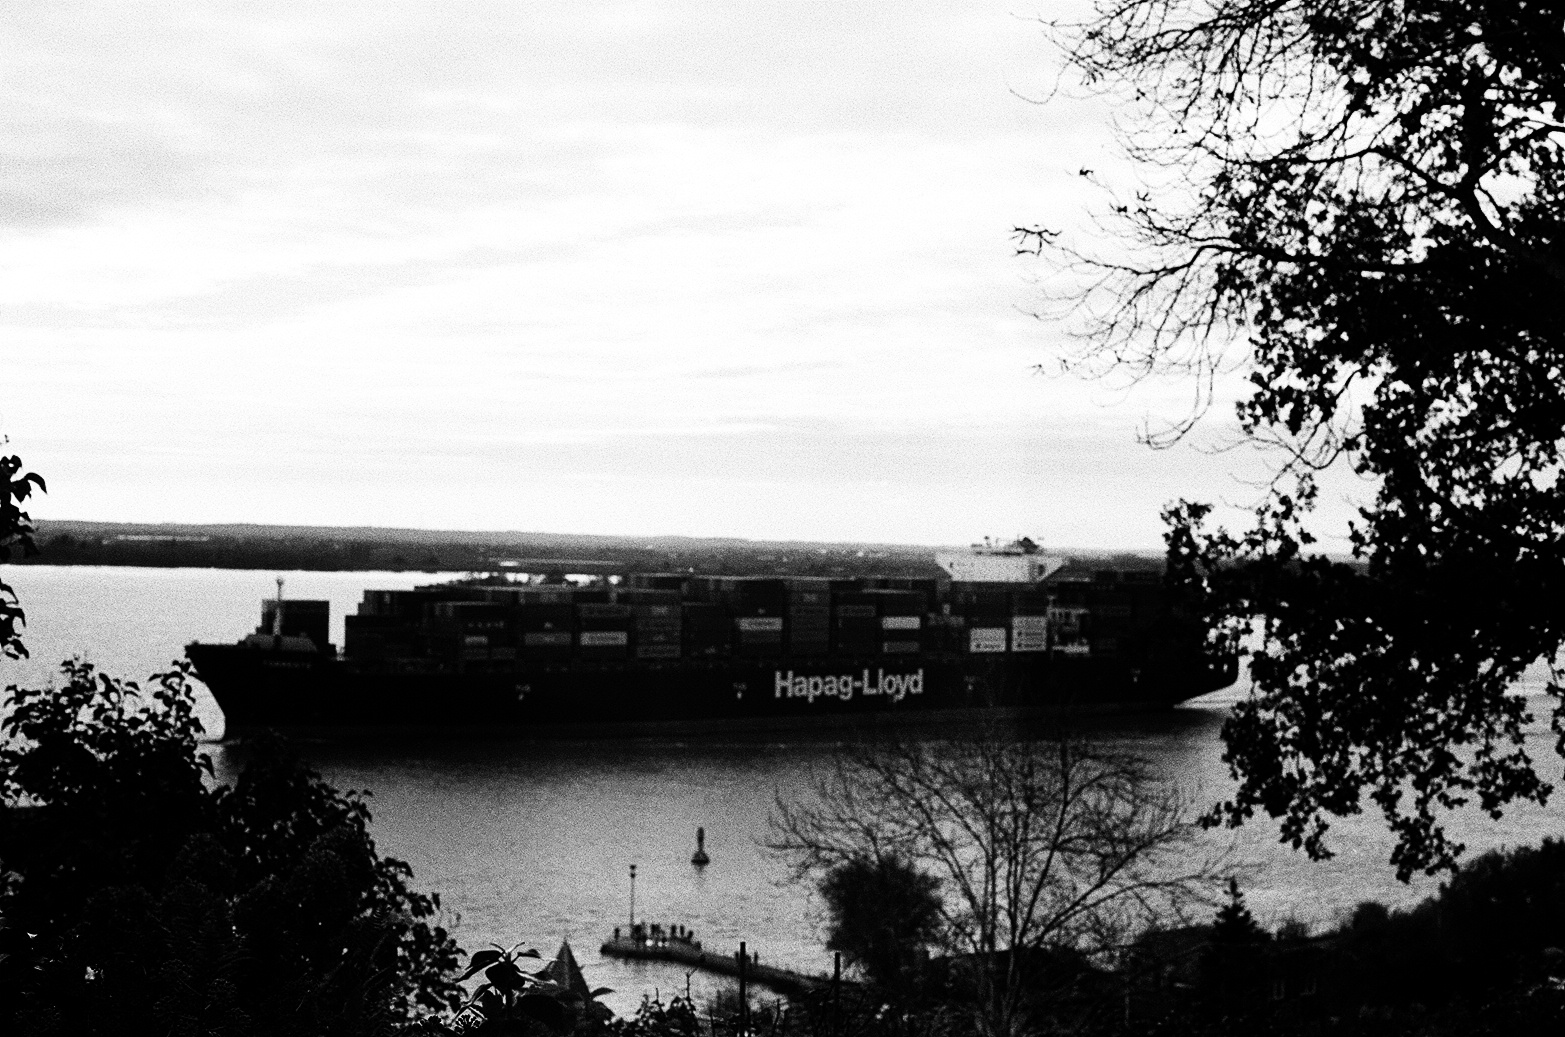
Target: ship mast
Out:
[277,613]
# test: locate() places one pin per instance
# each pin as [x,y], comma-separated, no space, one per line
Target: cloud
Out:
[263,256]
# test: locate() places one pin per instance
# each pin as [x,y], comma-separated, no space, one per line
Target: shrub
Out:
[260,908]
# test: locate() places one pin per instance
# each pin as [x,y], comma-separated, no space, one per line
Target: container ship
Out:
[1001,630]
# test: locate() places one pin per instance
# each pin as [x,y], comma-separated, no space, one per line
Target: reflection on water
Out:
[530,840]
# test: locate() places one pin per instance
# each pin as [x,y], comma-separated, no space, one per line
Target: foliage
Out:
[1040,850]
[676,1017]
[16,539]
[851,1012]
[1489,926]
[1364,203]
[510,999]
[1233,924]
[883,915]
[260,908]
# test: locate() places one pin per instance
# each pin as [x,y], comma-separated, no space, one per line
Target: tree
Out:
[1363,203]
[1234,925]
[16,536]
[258,908]
[883,914]
[1041,851]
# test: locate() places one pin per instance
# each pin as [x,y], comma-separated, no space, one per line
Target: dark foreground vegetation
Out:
[137,890]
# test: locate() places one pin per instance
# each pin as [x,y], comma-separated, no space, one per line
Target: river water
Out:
[532,840]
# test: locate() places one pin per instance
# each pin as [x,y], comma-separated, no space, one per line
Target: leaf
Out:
[480,960]
[506,976]
[600,991]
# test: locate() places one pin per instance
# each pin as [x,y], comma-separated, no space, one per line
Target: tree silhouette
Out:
[16,537]
[259,908]
[1364,204]
[1041,850]
[883,915]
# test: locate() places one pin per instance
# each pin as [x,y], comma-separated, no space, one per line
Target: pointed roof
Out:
[564,971]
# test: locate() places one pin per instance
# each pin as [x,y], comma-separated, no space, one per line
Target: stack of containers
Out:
[657,619]
[464,631]
[602,631]
[1030,620]
[388,625]
[988,612]
[809,616]
[380,637]
[902,622]
[706,629]
[706,589]
[546,623]
[393,623]
[1110,605]
[855,622]
[1068,617]
[758,607]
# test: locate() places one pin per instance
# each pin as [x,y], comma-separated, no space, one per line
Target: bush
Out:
[263,908]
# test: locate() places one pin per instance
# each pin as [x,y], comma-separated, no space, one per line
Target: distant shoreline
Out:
[366,549]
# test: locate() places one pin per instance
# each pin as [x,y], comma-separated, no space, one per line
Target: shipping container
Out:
[748,591]
[408,604]
[374,636]
[902,603]
[986,639]
[547,596]
[809,644]
[1070,629]
[675,582]
[758,624]
[1024,641]
[603,639]
[587,610]
[901,622]
[809,591]
[545,617]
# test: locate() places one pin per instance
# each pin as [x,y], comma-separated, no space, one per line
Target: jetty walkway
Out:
[678,945]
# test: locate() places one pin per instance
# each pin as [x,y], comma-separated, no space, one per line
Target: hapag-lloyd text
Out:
[894,686]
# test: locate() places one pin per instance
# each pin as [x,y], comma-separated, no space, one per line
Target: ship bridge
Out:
[987,563]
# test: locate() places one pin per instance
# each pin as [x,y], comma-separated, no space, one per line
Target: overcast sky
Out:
[663,267]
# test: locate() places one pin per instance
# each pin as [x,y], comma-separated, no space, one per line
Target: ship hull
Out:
[260,688]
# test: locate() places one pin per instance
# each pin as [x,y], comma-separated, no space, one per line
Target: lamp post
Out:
[633,898]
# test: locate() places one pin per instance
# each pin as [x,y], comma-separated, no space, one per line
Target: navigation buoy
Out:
[700,859]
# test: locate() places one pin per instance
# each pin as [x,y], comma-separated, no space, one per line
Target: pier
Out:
[678,945]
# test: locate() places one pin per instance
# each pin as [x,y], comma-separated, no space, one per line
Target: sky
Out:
[670,267]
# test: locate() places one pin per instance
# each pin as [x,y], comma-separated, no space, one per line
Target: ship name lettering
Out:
[895,686]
